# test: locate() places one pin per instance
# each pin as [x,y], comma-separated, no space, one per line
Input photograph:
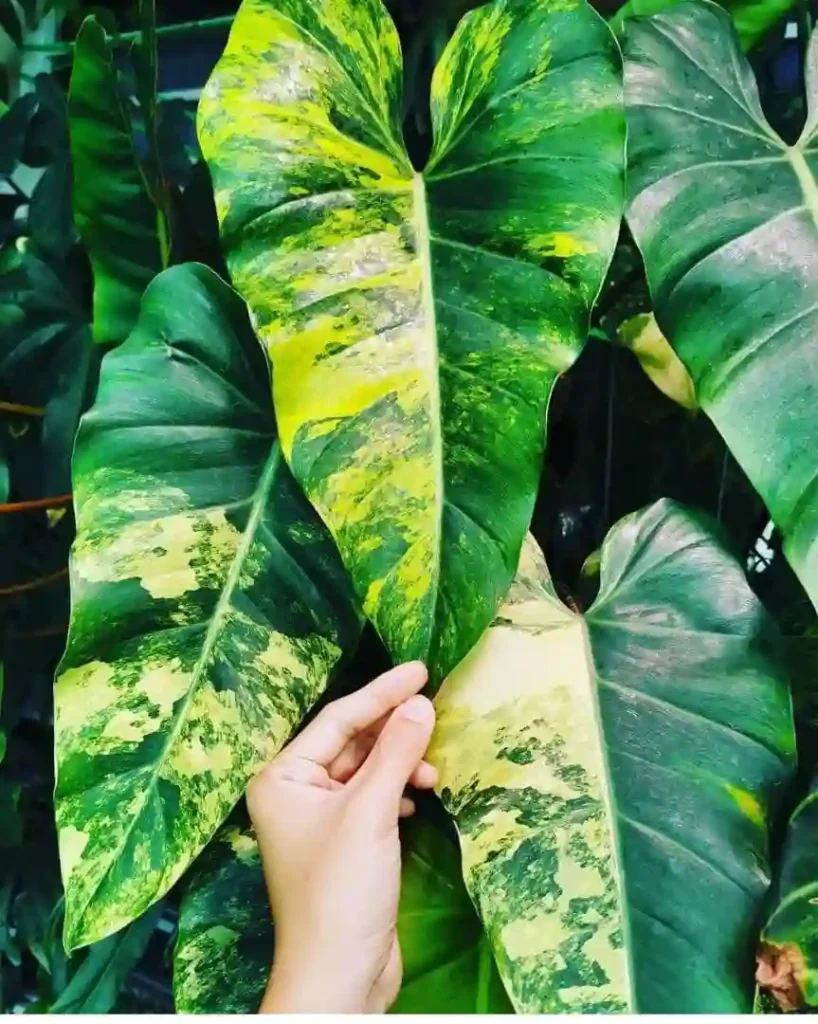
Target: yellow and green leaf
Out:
[224,948]
[209,603]
[641,335]
[612,776]
[416,321]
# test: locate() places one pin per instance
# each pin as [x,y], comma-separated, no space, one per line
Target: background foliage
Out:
[616,441]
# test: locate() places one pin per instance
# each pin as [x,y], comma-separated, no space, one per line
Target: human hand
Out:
[326,815]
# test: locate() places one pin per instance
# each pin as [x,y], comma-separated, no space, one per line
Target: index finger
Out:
[324,739]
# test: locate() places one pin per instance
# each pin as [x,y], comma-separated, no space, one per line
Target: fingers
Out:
[324,739]
[407,807]
[424,776]
[397,755]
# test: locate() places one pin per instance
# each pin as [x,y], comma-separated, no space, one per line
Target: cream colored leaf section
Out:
[522,770]
[642,335]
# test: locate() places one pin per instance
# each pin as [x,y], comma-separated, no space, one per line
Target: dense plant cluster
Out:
[285,398]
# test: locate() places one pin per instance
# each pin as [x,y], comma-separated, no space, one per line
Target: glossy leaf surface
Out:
[612,777]
[120,226]
[752,18]
[225,945]
[416,323]
[726,217]
[209,604]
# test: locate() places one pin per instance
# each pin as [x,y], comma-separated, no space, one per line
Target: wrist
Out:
[305,981]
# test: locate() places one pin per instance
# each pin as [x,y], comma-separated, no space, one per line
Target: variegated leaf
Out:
[612,776]
[209,604]
[224,950]
[416,322]
[642,336]
[224,947]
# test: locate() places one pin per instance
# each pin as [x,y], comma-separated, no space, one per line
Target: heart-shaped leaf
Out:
[416,322]
[612,776]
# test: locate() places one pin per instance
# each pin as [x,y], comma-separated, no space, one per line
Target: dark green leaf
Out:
[121,227]
[725,214]
[96,984]
[448,965]
[10,21]
[13,126]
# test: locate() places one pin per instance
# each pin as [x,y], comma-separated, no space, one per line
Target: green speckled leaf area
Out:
[726,217]
[416,322]
[612,776]
[224,949]
[788,965]
[209,604]
[125,234]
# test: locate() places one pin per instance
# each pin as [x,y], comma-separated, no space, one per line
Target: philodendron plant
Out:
[609,775]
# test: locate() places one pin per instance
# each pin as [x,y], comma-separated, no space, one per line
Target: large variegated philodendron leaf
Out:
[209,604]
[225,945]
[726,216]
[416,322]
[612,776]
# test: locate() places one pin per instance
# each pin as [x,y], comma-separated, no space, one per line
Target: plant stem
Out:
[42,581]
[167,31]
[27,506]
[21,410]
[722,482]
[606,501]
[10,181]
[483,977]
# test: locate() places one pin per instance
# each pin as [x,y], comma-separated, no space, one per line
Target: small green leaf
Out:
[10,21]
[98,980]
[121,227]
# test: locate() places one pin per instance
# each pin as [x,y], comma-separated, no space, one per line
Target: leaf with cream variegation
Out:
[209,603]
[417,322]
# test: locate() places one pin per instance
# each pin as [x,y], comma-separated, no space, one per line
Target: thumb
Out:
[398,751]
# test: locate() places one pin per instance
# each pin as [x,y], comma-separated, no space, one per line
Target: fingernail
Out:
[417,709]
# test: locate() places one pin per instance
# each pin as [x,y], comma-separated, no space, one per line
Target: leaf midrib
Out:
[258,502]
[431,358]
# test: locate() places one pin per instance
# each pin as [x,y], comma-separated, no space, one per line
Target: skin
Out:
[326,815]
